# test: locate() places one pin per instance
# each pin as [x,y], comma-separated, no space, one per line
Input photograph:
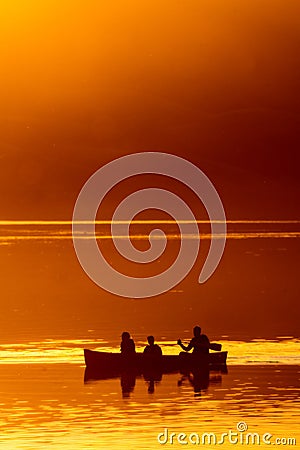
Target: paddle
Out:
[214,346]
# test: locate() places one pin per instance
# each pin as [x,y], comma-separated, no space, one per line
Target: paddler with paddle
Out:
[199,343]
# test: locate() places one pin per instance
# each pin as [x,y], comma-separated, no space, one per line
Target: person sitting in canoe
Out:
[200,343]
[152,349]
[127,344]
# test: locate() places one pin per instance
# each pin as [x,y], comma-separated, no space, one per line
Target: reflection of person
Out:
[198,378]
[152,377]
[127,344]
[127,383]
[152,349]
[199,343]
[151,387]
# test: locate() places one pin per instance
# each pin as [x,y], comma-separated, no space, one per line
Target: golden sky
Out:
[83,82]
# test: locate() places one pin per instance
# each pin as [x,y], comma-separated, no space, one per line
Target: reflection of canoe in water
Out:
[104,362]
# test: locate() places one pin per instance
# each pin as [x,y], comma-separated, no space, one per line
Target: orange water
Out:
[50,311]
[49,406]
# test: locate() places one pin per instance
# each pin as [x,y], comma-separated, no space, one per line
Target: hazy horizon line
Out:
[144,222]
[205,236]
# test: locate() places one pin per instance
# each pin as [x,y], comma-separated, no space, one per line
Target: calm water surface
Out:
[45,402]
[50,311]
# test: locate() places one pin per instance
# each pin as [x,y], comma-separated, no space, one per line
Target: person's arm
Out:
[185,348]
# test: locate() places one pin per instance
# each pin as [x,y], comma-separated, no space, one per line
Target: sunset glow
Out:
[152,111]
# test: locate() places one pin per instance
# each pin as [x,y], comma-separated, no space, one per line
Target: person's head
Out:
[125,336]
[197,331]
[150,340]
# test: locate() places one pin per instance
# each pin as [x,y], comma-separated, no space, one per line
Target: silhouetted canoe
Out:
[115,362]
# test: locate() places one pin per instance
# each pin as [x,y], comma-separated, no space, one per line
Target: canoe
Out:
[116,362]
